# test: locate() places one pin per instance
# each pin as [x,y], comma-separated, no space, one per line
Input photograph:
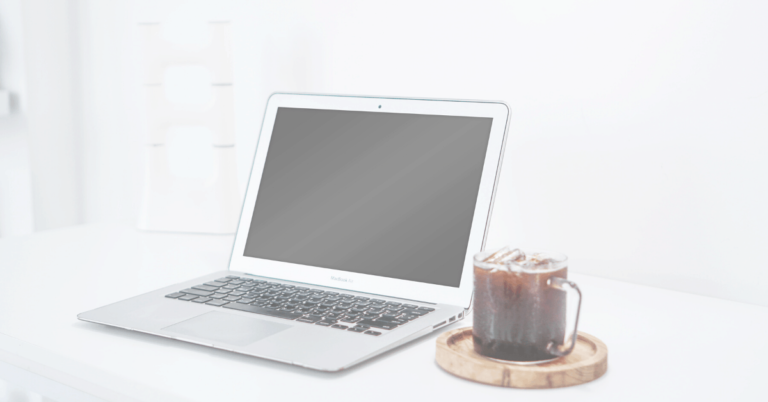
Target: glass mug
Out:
[519,308]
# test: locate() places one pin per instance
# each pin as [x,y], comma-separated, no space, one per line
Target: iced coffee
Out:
[520,306]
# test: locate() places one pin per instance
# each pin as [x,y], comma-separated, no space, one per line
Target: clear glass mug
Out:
[519,307]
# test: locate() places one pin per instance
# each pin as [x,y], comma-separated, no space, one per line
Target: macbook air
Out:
[356,235]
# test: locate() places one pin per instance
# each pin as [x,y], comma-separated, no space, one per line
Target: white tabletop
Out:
[661,344]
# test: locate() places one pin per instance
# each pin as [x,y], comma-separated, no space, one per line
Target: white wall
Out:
[15,184]
[637,134]
[52,70]
[111,112]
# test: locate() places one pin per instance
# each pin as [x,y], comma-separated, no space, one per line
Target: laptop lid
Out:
[386,196]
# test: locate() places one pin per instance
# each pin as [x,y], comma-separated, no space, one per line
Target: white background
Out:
[636,142]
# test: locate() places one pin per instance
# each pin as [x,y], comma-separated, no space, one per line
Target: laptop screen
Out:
[383,194]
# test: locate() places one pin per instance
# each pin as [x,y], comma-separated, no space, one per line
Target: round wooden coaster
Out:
[456,355]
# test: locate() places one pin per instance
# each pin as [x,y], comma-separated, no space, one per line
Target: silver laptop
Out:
[356,236]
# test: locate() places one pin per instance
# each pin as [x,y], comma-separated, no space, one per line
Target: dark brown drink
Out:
[517,314]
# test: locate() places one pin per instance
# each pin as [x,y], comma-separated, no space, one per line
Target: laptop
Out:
[356,235]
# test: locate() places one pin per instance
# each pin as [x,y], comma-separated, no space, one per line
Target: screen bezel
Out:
[460,296]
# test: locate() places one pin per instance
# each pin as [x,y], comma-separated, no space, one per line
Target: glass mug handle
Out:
[559,284]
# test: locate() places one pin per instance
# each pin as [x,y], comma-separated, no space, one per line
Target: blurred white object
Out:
[5,103]
[190,173]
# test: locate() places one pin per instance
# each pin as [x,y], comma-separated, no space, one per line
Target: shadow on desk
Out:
[254,361]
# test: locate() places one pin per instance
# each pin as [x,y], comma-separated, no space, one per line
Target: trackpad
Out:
[229,328]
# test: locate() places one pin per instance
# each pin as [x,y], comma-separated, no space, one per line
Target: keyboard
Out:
[336,310]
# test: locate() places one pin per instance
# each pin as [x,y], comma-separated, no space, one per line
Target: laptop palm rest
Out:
[228,328]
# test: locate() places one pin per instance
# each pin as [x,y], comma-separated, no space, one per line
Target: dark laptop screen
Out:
[384,194]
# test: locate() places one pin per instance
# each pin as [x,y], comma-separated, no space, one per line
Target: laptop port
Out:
[438,324]
[452,319]
[461,315]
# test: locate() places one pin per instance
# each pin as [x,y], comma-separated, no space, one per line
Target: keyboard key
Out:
[202,300]
[415,312]
[407,317]
[374,333]
[187,297]
[339,326]
[395,321]
[350,319]
[302,319]
[218,296]
[223,280]
[264,311]
[362,298]
[410,306]
[379,301]
[391,303]
[356,329]
[311,318]
[232,298]
[325,323]
[236,282]
[215,283]
[379,324]
[197,292]
[246,301]
[217,303]
[427,309]
[237,293]
[174,295]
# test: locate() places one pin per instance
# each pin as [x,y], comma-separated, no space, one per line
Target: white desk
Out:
[662,344]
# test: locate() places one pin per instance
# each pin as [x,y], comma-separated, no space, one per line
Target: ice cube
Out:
[494,258]
[512,256]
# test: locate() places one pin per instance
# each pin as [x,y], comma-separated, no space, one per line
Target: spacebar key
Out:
[264,311]
[378,324]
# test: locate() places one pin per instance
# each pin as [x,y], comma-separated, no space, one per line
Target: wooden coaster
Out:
[456,355]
